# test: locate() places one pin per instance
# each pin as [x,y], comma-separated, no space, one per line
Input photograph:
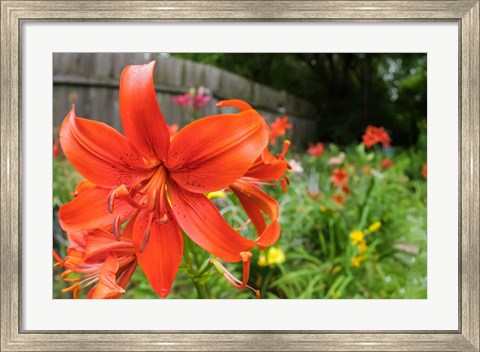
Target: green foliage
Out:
[65,178]
[316,232]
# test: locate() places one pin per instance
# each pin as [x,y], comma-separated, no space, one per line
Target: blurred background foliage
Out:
[350,91]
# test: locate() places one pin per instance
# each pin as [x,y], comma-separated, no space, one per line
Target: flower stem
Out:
[364,208]
[191,260]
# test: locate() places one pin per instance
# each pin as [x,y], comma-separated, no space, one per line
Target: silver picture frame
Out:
[14,14]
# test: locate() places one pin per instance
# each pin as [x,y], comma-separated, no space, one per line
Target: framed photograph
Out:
[219,175]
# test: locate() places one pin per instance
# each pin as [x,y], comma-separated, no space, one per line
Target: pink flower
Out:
[194,99]
[337,160]
[295,166]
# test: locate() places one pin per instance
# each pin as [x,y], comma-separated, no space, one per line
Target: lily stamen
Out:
[60,262]
[121,192]
[232,279]
[242,226]
[116,228]
[285,182]
[163,219]
[286,146]
[146,236]
[153,202]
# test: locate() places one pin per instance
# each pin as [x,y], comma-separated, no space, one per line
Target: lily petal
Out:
[100,242]
[83,185]
[267,167]
[204,224]
[254,200]
[162,253]
[126,275]
[107,286]
[77,240]
[100,153]
[89,210]
[142,120]
[230,143]
[236,103]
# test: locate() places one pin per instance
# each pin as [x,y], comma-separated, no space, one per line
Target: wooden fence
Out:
[91,80]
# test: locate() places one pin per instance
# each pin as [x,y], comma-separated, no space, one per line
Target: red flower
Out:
[56,149]
[279,128]
[424,170]
[339,177]
[158,183]
[386,163]
[101,260]
[374,135]
[316,150]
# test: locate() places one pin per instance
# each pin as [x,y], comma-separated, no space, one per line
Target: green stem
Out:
[201,290]
[364,209]
[266,281]
[190,257]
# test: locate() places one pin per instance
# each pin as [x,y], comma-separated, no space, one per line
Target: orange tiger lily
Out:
[99,259]
[158,183]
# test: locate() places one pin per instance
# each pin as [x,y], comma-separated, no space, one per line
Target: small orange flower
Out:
[424,170]
[338,199]
[316,150]
[339,177]
[374,135]
[367,170]
[279,128]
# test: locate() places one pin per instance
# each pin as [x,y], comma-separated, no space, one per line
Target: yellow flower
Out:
[356,262]
[375,226]
[217,194]
[262,260]
[356,236]
[362,246]
[323,209]
[275,255]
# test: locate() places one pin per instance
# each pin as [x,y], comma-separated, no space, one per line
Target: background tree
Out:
[350,91]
